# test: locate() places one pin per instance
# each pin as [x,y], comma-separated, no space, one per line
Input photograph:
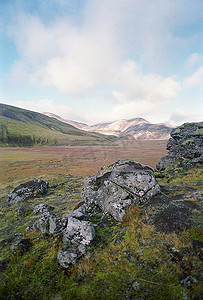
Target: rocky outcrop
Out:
[117,186]
[27,190]
[185,147]
[77,234]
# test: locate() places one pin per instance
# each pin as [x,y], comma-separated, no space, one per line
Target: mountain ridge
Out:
[138,128]
[21,127]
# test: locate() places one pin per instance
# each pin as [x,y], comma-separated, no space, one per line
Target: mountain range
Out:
[20,127]
[137,128]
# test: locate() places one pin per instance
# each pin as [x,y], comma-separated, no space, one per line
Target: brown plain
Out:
[19,164]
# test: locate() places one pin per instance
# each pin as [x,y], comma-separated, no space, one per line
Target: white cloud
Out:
[48,105]
[133,85]
[193,60]
[194,80]
[179,117]
[118,46]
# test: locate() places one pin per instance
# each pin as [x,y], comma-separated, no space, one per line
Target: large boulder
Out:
[27,190]
[117,186]
[185,146]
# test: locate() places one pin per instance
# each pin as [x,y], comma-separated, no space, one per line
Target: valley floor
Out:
[19,164]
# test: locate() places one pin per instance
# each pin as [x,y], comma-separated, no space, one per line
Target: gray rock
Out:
[78,232]
[185,146]
[27,190]
[48,223]
[69,256]
[42,208]
[76,237]
[78,213]
[117,186]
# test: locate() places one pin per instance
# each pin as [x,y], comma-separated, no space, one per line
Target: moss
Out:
[105,170]
[186,142]
[196,233]
[199,131]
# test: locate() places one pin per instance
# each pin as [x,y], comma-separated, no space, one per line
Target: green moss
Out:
[186,142]
[199,131]
[105,170]
[196,233]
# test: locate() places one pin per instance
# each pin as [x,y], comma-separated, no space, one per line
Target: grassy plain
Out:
[20,164]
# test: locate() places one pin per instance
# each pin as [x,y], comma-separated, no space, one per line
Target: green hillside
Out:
[20,127]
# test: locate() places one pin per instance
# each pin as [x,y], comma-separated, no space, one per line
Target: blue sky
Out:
[97,61]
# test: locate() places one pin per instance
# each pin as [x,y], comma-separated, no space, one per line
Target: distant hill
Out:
[20,127]
[138,128]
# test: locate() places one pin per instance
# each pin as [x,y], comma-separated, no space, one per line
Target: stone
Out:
[68,257]
[119,185]
[27,190]
[78,213]
[185,146]
[136,285]
[42,208]
[48,223]
[76,237]
[78,232]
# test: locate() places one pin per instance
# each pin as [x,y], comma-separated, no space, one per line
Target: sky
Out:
[97,61]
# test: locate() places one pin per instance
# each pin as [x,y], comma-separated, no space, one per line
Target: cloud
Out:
[195,80]
[179,117]
[48,105]
[120,48]
[75,58]
[62,55]
[194,60]
[133,85]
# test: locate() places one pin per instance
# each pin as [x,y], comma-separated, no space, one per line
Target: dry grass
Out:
[22,163]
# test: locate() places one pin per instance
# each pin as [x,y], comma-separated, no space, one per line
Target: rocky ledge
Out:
[185,147]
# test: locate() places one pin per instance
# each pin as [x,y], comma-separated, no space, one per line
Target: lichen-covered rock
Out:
[185,146]
[76,237]
[27,190]
[78,232]
[119,185]
[70,256]
[42,208]
[49,223]
[78,213]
